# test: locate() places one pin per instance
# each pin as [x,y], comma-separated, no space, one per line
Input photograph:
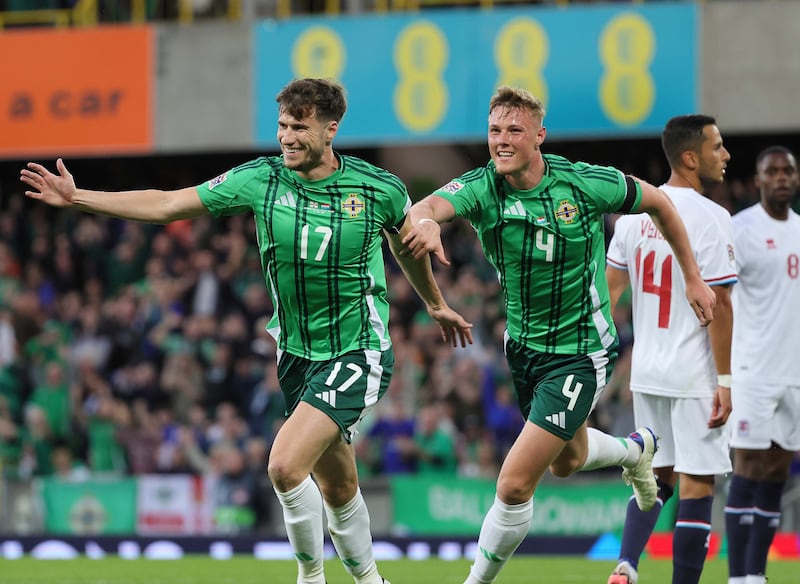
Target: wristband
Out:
[426,220]
[724,380]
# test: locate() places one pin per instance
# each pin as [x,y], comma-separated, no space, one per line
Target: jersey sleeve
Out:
[608,188]
[715,250]
[397,209]
[230,193]
[617,256]
[462,195]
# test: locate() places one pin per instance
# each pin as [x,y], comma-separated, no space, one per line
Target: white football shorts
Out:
[765,413]
[685,440]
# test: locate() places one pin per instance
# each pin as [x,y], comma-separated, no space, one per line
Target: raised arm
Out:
[147,206]
[658,205]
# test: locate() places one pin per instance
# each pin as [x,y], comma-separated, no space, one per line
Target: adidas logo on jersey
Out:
[515,210]
[287,200]
[559,419]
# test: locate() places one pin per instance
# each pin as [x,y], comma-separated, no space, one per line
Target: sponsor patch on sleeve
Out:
[452,187]
[217,181]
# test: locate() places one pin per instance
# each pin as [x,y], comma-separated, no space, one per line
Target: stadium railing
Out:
[89,13]
[92,12]
[84,13]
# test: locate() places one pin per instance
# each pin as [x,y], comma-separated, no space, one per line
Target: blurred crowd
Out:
[131,349]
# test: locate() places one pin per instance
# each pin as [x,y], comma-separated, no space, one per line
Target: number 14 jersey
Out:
[671,351]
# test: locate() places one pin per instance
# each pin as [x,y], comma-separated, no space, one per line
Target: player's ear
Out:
[540,135]
[689,159]
[330,130]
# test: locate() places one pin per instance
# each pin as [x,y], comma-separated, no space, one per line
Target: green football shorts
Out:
[557,392]
[344,388]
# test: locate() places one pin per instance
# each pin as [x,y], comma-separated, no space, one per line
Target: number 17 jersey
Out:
[671,351]
[320,244]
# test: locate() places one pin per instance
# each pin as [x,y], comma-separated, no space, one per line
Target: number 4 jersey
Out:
[672,352]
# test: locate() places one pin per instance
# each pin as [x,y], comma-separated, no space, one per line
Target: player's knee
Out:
[514,490]
[564,467]
[283,475]
[338,493]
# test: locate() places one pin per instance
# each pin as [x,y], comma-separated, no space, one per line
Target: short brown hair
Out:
[323,98]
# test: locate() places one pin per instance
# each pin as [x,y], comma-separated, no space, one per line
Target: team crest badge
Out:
[566,212]
[353,205]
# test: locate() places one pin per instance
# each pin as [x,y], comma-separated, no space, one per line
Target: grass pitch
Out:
[197,570]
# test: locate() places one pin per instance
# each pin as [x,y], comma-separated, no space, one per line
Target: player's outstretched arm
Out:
[657,204]
[455,329]
[147,206]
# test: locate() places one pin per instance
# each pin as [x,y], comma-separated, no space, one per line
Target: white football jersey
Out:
[671,351]
[766,301]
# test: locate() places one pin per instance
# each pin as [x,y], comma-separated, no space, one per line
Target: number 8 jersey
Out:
[671,351]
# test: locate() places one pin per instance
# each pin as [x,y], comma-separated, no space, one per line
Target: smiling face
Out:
[515,135]
[304,142]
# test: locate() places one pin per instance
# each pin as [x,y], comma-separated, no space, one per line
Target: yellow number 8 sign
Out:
[420,57]
[627,90]
[318,52]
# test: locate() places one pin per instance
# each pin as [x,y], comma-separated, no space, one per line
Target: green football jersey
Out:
[320,247]
[548,247]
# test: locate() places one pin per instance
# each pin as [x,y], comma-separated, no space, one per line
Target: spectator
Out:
[266,407]
[382,449]
[65,466]
[432,449]
[139,433]
[52,396]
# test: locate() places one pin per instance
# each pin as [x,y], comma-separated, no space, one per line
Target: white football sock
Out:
[503,529]
[605,450]
[349,529]
[302,516]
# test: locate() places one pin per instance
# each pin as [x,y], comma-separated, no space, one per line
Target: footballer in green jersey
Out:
[548,246]
[320,246]
[540,222]
[321,220]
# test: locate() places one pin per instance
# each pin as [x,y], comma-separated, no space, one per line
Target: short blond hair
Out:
[512,98]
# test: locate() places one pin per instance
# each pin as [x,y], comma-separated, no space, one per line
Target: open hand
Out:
[57,190]
[455,330]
